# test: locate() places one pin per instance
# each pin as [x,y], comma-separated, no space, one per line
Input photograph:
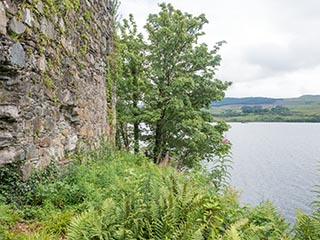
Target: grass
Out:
[300,113]
[117,195]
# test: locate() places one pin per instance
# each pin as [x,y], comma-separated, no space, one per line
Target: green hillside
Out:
[257,109]
[245,101]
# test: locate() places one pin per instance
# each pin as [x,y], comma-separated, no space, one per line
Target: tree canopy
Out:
[168,81]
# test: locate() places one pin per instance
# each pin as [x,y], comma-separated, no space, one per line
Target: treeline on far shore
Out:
[264,114]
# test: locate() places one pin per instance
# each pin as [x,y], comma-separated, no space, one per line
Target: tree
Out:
[181,73]
[132,85]
[281,110]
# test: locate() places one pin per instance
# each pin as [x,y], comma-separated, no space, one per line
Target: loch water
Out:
[278,162]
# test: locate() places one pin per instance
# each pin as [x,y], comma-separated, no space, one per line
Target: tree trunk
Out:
[157,142]
[136,137]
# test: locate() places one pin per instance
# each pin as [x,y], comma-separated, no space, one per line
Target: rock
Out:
[42,63]
[47,27]
[67,97]
[32,153]
[3,19]
[40,122]
[45,142]
[83,131]
[17,26]
[38,125]
[36,24]
[44,161]
[9,112]
[27,17]
[11,154]
[5,78]
[26,171]
[67,44]
[17,55]
[65,132]
[6,140]
[40,7]
[62,25]
[71,143]
[11,83]
[10,7]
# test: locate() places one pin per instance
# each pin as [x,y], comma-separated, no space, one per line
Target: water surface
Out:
[276,161]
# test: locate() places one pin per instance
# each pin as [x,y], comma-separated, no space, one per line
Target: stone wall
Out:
[52,79]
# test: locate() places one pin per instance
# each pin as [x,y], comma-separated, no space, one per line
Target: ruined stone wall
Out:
[52,79]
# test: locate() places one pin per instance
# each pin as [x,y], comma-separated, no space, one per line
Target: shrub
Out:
[117,195]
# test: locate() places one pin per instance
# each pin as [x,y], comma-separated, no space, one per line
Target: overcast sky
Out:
[273,46]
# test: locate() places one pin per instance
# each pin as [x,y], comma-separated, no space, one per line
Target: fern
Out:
[150,206]
[124,197]
[308,227]
[305,227]
[233,232]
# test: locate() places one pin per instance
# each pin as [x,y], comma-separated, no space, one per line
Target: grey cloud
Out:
[269,41]
[274,58]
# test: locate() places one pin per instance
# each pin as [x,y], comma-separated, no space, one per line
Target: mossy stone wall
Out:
[52,79]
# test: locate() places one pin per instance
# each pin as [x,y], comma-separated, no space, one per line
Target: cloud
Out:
[299,83]
[273,45]
[276,59]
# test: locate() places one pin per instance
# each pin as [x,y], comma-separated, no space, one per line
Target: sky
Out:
[273,46]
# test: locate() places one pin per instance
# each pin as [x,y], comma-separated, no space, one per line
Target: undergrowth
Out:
[117,195]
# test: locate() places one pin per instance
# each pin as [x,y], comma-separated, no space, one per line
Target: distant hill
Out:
[305,99]
[245,101]
[261,109]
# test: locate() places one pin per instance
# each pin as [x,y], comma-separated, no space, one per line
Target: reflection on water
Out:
[276,161]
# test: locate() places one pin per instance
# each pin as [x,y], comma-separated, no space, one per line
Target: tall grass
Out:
[117,195]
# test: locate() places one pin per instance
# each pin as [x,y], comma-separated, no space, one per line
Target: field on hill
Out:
[256,109]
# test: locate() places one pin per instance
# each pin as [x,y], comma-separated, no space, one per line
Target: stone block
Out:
[38,125]
[10,7]
[65,132]
[71,143]
[40,7]
[45,142]
[3,19]
[62,25]
[10,155]
[42,63]
[32,152]
[26,171]
[17,55]
[27,17]
[6,140]
[47,27]
[9,112]
[39,122]
[83,131]
[16,26]
[43,162]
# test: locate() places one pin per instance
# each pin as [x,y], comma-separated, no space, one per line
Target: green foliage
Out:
[308,227]
[132,86]
[166,84]
[8,217]
[14,190]
[48,81]
[60,7]
[113,76]
[152,205]
[117,195]
[302,109]
[149,202]
[219,172]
